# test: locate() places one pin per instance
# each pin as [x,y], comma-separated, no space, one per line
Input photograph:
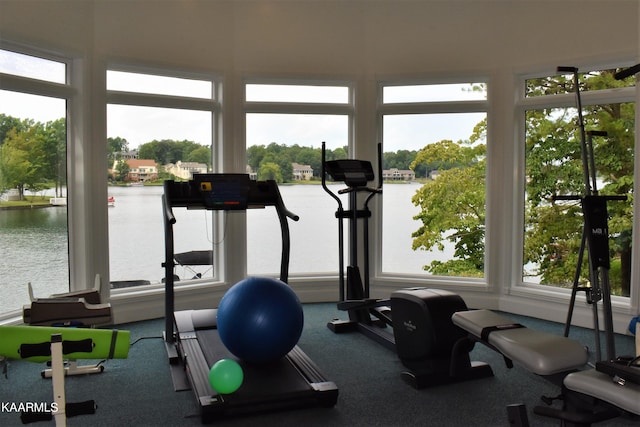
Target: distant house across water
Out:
[140,170]
[395,174]
[185,170]
[301,172]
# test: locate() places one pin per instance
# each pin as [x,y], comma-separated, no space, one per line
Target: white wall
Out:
[363,41]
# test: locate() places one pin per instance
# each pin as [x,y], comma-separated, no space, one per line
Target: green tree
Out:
[55,151]
[270,170]
[255,154]
[8,123]
[115,145]
[35,151]
[200,154]
[280,155]
[122,170]
[167,151]
[23,160]
[452,207]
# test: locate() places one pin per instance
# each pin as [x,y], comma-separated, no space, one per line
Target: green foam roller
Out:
[33,343]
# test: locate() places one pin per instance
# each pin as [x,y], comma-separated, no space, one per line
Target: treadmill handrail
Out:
[168,211]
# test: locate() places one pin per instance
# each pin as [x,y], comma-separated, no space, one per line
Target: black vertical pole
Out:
[168,264]
[366,216]
[339,216]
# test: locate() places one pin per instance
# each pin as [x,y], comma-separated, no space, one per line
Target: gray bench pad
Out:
[539,352]
[601,386]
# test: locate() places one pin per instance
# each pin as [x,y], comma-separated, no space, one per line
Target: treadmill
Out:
[191,337]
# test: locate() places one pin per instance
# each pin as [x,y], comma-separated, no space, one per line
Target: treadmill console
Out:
[211,191]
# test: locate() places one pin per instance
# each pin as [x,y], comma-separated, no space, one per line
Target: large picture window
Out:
[33,177]
[434,171]
[159,126]
[555,166]
[285,127]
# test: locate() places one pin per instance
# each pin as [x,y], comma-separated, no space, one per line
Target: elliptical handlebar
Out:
[324,178]
[291,215]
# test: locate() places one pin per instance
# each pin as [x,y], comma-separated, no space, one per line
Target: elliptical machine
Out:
[366,315]
[416,322]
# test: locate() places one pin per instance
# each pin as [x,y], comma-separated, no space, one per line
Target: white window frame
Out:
[522,105]
[321,108]
[436,107]
[70,92]
[213,106]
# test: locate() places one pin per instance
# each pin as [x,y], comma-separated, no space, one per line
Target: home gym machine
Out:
[367,315]
[595,237]
[415,323]
[194,346]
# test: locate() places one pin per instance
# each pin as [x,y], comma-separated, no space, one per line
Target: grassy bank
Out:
[28,202]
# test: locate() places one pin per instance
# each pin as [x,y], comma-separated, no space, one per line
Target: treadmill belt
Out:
[260,380]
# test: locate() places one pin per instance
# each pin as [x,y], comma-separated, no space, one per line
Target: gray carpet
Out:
[138,390]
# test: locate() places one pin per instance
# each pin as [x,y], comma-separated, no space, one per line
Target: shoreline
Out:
[32,206]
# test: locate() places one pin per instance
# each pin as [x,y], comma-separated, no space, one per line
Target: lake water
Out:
[34,248]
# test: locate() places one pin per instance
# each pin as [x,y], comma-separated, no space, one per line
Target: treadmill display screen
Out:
[223,191]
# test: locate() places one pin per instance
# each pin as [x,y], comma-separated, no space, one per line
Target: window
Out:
[555,166]
[159,126]
[33,177]
[434,179]
[285,127]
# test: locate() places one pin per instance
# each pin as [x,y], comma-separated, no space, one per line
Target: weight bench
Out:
[592,396]
[539,352]
[589,396]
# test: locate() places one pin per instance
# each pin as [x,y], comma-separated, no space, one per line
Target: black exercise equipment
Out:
[366,315]
[595,236]
[415,323]
[429,345]
[293,381]
[195,258]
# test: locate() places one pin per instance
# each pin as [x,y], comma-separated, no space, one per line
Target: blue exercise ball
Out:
[260,319]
